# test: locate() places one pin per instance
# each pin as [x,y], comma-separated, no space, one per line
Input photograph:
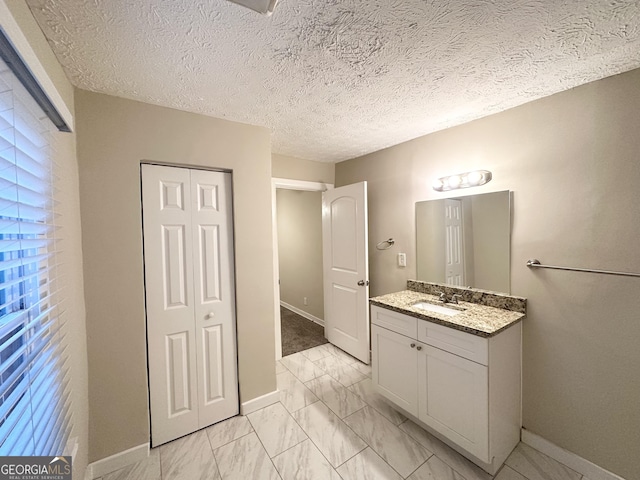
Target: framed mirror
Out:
[465,241]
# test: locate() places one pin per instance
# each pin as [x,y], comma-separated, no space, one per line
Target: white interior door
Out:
[346,269]
[188,251]
[454,274]
[214,302]
[171,335]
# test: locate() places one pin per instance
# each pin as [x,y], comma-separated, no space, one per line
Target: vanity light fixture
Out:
[462,180]
[265,7]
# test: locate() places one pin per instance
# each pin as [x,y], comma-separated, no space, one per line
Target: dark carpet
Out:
[298,333]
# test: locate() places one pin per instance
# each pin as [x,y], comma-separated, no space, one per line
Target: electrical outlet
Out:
[304,300]
[402,259]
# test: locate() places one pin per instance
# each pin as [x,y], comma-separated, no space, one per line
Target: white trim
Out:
[289,185]
[302,313]
[276,273]
[116,462]
[259,402]
[71,448]
[28,55]
[571,460]
[300,185]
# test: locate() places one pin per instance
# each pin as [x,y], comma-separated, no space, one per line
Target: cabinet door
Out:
[453,394]
[395,368]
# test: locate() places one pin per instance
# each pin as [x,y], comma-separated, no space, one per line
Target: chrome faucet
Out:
[454,298]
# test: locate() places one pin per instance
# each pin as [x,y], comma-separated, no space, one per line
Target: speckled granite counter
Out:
[480,320]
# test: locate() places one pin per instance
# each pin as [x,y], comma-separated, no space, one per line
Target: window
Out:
[34,410]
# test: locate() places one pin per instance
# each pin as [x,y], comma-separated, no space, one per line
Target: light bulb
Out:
[474,178]
[454,181]
[462,180]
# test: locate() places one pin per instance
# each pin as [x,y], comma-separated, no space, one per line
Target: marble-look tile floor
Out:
[328,425]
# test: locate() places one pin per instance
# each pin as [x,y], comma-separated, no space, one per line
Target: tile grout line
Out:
[346,388]
[327,373]
[434,454]
[262,443]
[452,456]
[381,413]
[160,459]
[420,466]
[504,465]
[215,460]
[231,441]
[369,446]
[366,404]
[314,443]
[397,426]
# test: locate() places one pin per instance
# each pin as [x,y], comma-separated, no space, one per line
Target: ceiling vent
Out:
[265,7]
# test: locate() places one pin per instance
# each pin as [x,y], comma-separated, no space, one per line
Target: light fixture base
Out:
[266,7]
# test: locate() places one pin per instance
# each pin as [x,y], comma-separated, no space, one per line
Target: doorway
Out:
[298,310]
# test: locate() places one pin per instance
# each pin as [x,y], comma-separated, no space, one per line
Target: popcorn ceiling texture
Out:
[336,79]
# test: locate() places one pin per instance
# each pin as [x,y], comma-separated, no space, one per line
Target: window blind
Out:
[35,416]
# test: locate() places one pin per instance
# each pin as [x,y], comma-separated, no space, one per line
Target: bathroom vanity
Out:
[453,368]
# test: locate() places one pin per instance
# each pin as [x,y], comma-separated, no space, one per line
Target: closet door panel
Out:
[214,307]
[171,332]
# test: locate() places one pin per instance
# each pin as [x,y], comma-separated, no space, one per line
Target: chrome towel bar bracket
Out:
[534,263]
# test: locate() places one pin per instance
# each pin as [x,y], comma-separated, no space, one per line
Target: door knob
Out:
[362,283]
[211,315]
[418,347]
[413,345]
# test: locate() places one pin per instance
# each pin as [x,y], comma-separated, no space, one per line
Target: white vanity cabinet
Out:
[395,367]
[463,387]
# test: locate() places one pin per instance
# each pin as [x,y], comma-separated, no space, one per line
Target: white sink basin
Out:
[430,307]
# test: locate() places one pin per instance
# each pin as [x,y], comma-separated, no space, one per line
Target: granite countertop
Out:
[476,319]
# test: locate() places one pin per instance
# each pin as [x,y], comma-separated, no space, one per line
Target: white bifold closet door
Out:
[190,299]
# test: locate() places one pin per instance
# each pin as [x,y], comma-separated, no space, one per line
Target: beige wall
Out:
[572,162]
[70,266]
[114,136]
[297,169]
[300,249]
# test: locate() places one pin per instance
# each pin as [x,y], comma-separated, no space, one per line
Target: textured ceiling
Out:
[335,79]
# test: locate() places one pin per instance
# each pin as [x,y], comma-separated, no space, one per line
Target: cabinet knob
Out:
[419,347]
[211,315]
[413,345]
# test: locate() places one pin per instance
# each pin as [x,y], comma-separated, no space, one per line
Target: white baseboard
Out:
[116,462]
[302,313]
[259,402]
[591,471]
